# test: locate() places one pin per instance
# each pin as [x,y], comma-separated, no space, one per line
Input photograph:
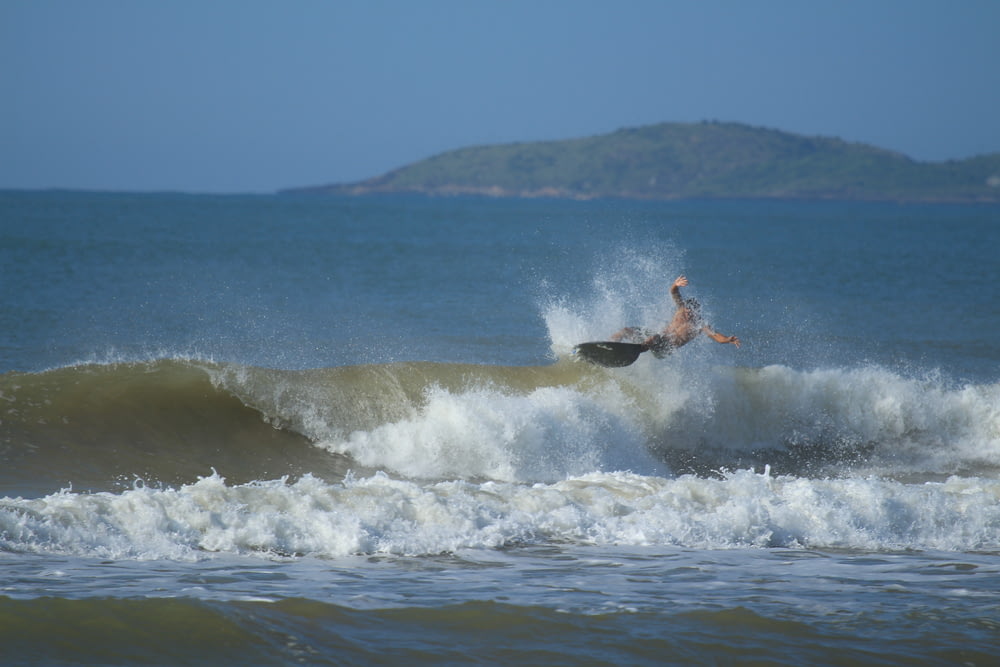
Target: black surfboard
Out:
[609,354]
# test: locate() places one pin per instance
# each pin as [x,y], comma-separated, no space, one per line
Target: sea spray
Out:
[628,287]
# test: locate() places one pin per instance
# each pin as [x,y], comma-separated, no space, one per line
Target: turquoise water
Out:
[262,430]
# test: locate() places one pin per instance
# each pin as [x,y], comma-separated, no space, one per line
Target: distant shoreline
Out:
[323,192]
[490,193]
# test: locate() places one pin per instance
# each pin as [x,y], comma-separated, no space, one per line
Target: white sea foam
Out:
[543,435]
[379,514]
[866,420]
[840,421]
[903,424]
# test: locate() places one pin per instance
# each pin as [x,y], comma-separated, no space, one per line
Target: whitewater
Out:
[299,417]
[435,458]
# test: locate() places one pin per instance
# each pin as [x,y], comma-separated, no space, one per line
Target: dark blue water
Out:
[221,441]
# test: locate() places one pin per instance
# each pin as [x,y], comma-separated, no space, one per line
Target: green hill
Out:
[689,160]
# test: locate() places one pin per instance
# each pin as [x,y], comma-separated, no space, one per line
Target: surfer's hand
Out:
[681,281]
[734,340]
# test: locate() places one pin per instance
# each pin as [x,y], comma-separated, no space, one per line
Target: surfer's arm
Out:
[675,290]
[719,338]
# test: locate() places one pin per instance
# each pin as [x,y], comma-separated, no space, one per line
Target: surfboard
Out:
[608,354]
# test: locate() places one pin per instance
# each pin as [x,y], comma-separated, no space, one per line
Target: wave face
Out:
[175,458]
[99,427]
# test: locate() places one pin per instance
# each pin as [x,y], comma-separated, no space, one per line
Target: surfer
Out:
[685,325]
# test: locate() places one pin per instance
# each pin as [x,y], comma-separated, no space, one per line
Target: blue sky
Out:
[250,96]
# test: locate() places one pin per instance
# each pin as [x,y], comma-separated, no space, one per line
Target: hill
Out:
[689,160]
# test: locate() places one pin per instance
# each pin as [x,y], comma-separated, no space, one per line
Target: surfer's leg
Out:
[629,335]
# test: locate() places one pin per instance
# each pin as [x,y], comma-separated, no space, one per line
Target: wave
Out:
[171,421]
[421,458]
[99,427]
[528,424]
[866,420]
[382,515]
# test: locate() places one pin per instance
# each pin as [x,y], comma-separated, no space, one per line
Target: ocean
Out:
[280,429]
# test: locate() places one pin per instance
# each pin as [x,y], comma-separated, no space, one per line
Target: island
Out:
[707,160]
